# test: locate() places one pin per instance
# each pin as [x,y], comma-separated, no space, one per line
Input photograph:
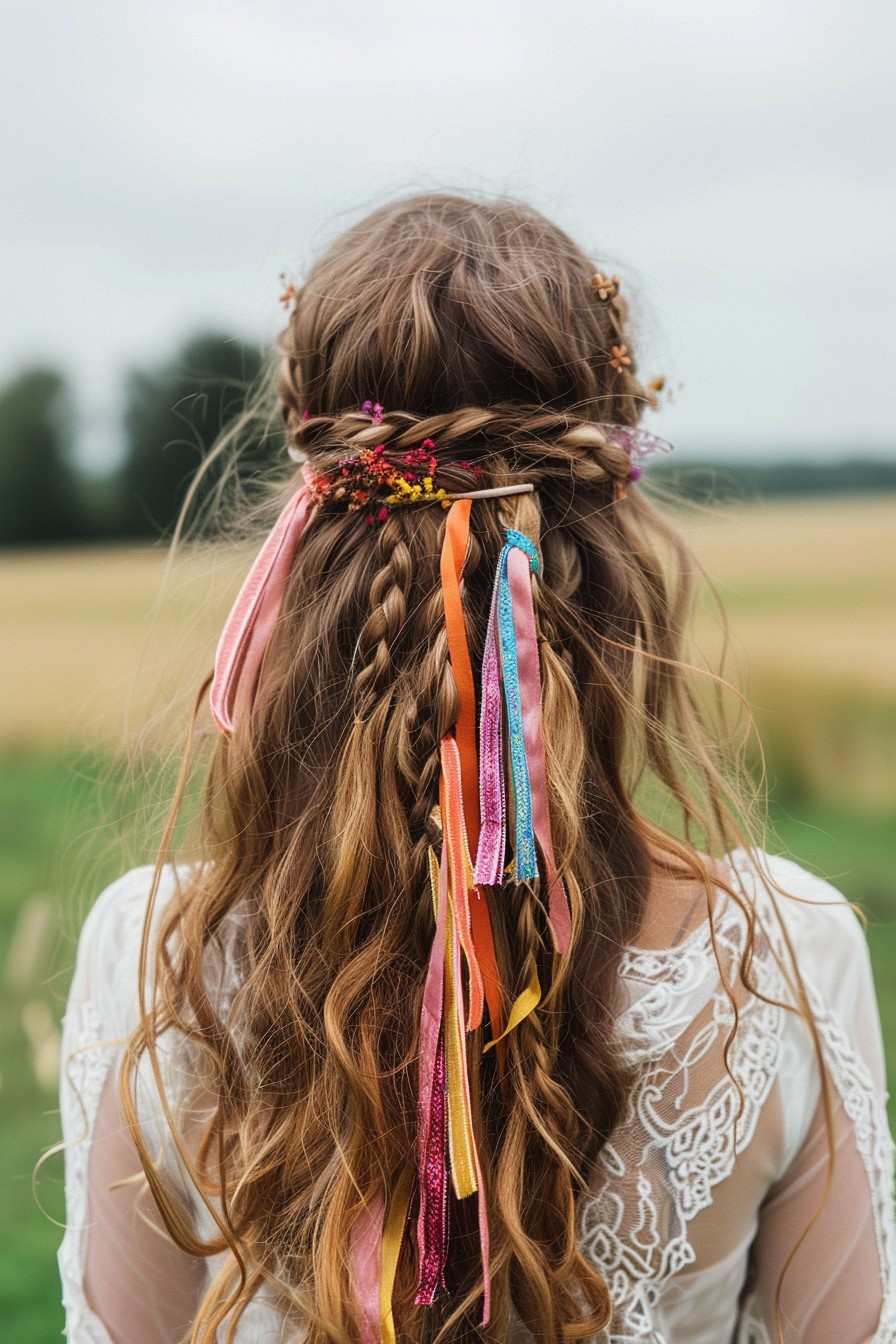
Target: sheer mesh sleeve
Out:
[840,1285]
[702,1193]
[832,1289]
[123,1279]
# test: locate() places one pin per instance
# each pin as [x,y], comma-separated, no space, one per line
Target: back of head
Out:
[440,302]
[481,330]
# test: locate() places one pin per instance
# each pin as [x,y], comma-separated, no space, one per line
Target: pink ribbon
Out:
[520,582]
[366,1242]
[455,836]
[254,614]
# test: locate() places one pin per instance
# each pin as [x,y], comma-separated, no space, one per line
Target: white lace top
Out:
[698,1201]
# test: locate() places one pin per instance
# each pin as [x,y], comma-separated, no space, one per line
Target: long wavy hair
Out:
[476,325]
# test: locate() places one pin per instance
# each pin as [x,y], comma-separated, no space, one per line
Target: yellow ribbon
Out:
[393,1235]
[521,1007]
[461,1140]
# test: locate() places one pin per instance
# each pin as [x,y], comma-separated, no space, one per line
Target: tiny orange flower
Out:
[290,293]
[619,357]
[654,388]
[606,286]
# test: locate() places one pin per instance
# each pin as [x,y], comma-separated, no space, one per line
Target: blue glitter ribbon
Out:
[525,863]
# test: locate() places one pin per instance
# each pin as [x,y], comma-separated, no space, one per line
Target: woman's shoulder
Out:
[770,915]
[754,889]
[795,904]
[118,913]
[111,938]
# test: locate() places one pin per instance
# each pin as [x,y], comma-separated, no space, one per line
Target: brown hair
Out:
[475,324]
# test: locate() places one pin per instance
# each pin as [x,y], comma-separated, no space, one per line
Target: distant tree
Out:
[173,415]
[38,487]
[740,480]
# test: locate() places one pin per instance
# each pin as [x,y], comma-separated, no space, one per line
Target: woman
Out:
[442,1036]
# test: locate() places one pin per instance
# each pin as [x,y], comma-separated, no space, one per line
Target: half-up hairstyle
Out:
[477,327]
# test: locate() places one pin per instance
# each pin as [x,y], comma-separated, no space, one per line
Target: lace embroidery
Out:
[635,1225]
[683,1151]
[875,1145]
[86,1063]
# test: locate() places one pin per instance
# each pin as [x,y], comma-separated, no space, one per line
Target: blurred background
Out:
[162,166]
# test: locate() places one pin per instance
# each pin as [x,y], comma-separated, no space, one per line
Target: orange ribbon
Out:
[454,551]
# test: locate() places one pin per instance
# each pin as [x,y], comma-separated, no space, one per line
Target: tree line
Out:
[172,416]
[174,413]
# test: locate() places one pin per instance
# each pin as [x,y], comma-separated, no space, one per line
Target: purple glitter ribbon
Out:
[489,869]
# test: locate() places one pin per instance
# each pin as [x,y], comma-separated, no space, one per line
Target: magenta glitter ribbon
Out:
[432,1168]
[255,611]
[432,1219]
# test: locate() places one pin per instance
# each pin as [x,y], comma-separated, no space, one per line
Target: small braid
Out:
[379,634]
[429,715]
[432,713]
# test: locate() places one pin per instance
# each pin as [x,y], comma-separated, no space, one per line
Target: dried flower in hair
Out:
[605,286]
[368,480]
[290,293]
[619,357]
[374,410]
[654,388]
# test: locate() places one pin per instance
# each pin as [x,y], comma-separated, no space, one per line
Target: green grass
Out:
[856,853]
[48,814]
[61,823]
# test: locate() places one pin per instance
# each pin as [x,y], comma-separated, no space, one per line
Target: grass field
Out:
[810,589]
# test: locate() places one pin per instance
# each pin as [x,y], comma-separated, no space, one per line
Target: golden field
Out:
[99,640]
[810,587]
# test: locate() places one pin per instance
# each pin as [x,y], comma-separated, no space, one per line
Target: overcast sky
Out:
[164,162]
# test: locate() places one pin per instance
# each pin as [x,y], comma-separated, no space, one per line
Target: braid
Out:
[430,710]
[504,441]
[381,631]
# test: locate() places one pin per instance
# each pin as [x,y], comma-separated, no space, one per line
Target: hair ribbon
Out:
[254,614]
[512,660]
[475,805]
[454,550]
